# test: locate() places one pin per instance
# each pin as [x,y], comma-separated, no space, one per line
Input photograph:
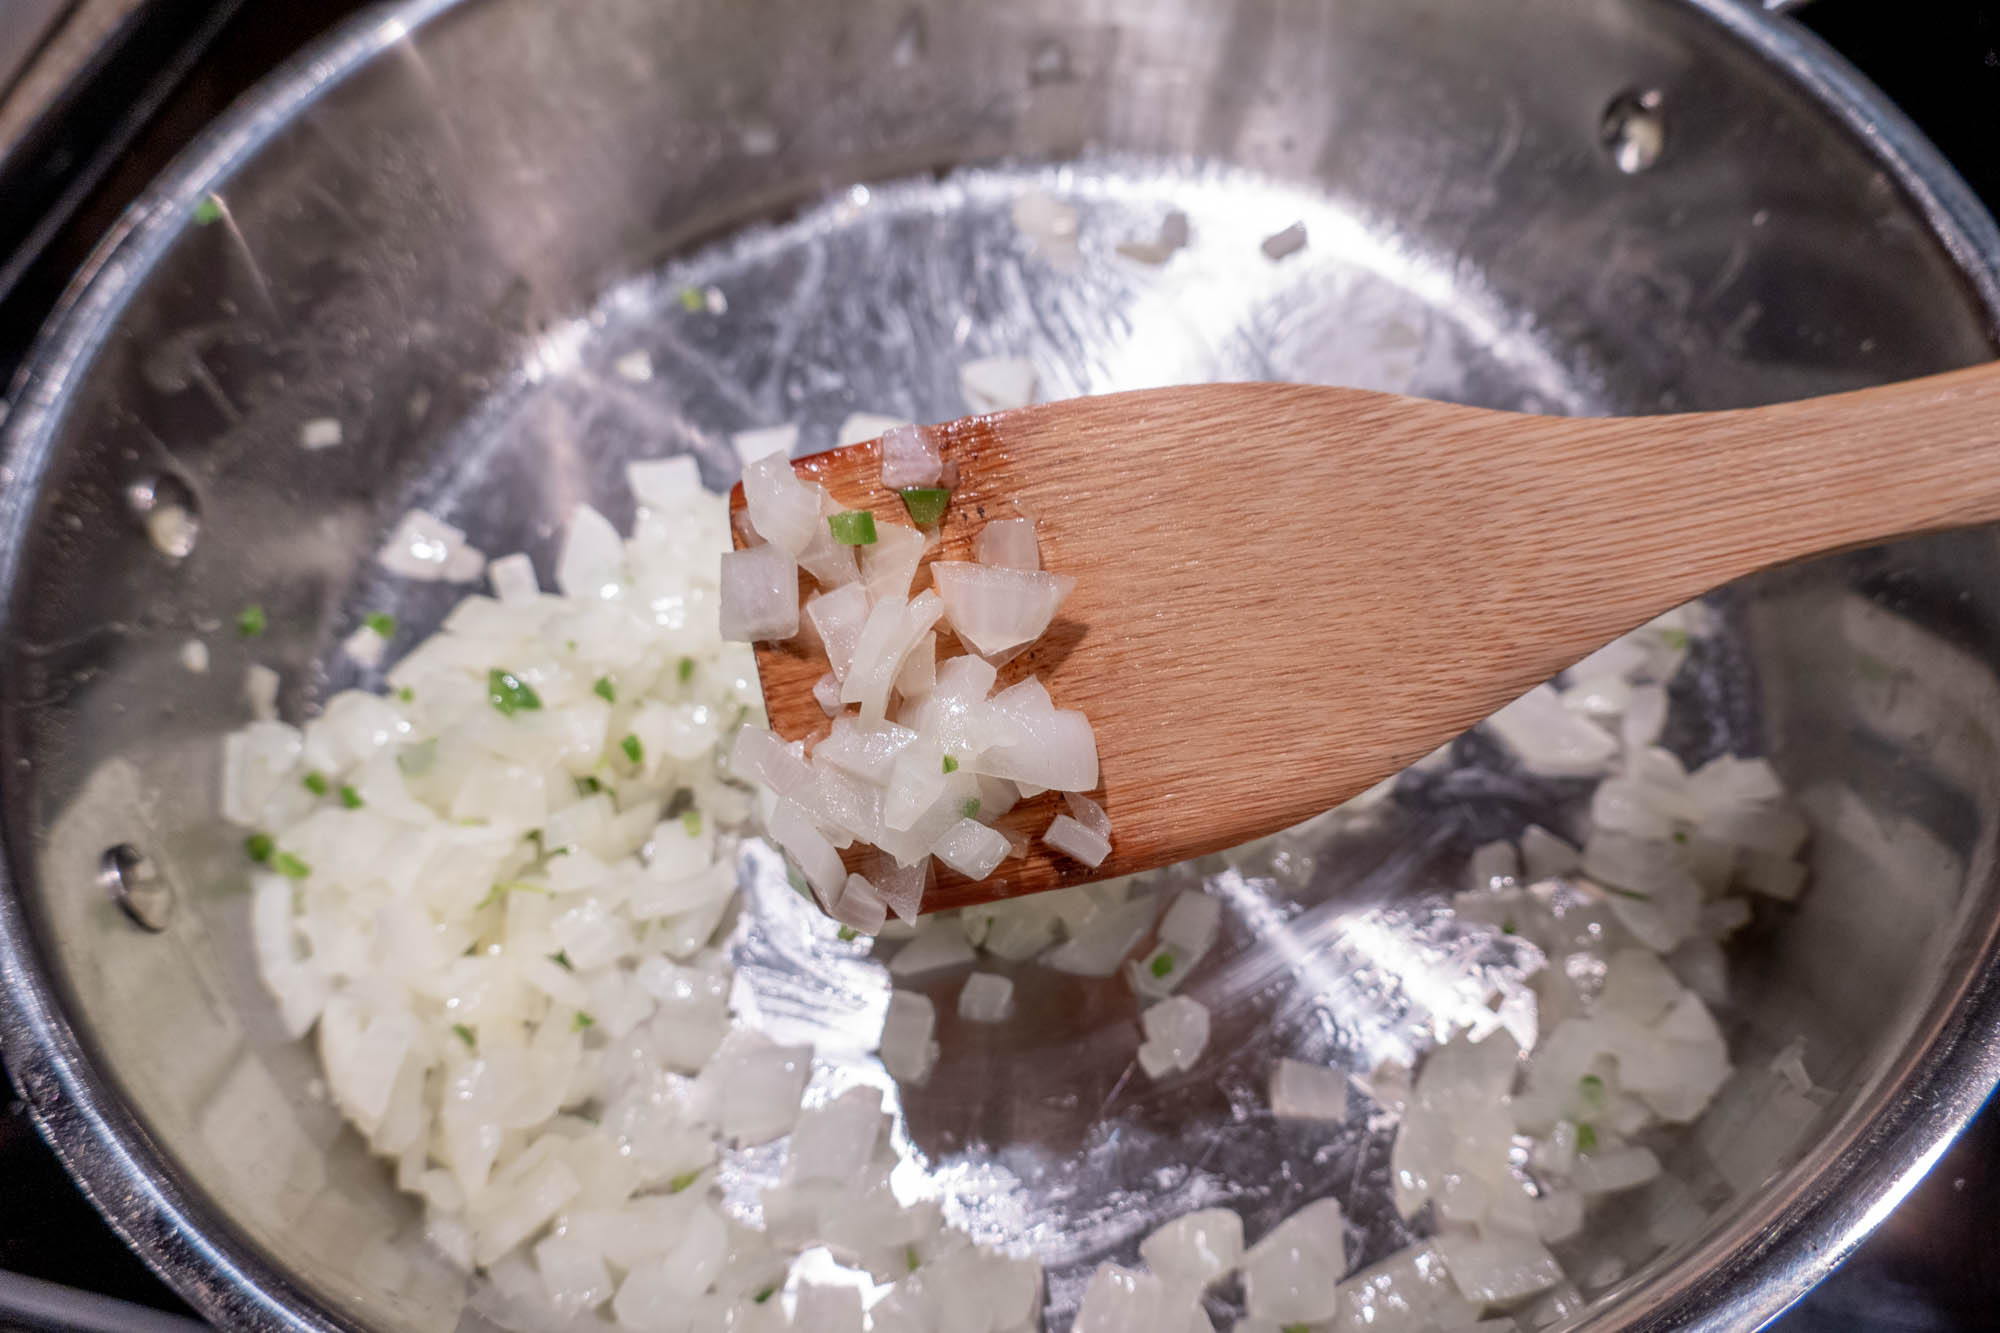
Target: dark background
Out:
[1934,1266]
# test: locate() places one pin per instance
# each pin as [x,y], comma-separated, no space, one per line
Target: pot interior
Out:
[449,233]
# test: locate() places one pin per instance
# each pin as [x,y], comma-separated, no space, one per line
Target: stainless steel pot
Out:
[444,224]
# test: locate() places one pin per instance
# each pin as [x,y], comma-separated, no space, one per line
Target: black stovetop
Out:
[1929,1269]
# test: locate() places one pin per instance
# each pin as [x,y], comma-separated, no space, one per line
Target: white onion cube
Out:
[1498,1266]
[971,848]
[1074,840]
[759,594]
[1301,1091]
[908,1048]
[836,1141]
[1291,1274]
[987,997]
[1177,1029]
[992,608]
[1009,543]
[938,945]
[1195,1249]
[909,458]
[784,510]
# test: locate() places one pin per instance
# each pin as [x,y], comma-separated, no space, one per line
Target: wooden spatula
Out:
[1287,593]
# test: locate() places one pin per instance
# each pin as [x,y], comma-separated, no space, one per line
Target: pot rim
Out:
[1742,1277]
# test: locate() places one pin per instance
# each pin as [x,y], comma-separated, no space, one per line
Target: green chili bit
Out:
[691,822]
[1163,963]
[510,694]
[581,1021]
[692,300]
[633,749]
[686,670]
[1591,1088]
[588,786]
[350,797]
[208,211]
[764,1295]
[251,621]
[1586,1138]
[950,764]
[682,1181]
[852,527]
[847,934]
[969,808]
[290,866]
[259,846]
[406,694]
[561,959]
[926,504]
[605,690]
[316,783]
[381,622]
[464,1033]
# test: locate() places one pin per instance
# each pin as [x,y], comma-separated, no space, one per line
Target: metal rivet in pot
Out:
[166,508]
[136,885]
[1633,130]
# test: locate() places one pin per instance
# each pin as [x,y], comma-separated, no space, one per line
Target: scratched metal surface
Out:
[452,270]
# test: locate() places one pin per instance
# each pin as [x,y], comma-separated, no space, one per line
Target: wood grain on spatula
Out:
[1286,593]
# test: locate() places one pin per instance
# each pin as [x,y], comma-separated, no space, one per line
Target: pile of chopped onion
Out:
[922,753]
[491,896]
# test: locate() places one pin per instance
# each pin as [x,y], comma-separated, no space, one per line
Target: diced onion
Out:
[1497,1266]
[1088,813]
[1073,839]
[1290,1274]
[1545,856]
[1550,738]
[513,579]
[938,945]
[971,848]
[1195,1249]
[908,1050]
[592,564]
[1177,1030]
[910,458]
[889,567]
[785,511]
[837,617]
[424,546]
[1301,1091]
[994,608]
[986,997]
[826,693]
[1105,939]
[759,594]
